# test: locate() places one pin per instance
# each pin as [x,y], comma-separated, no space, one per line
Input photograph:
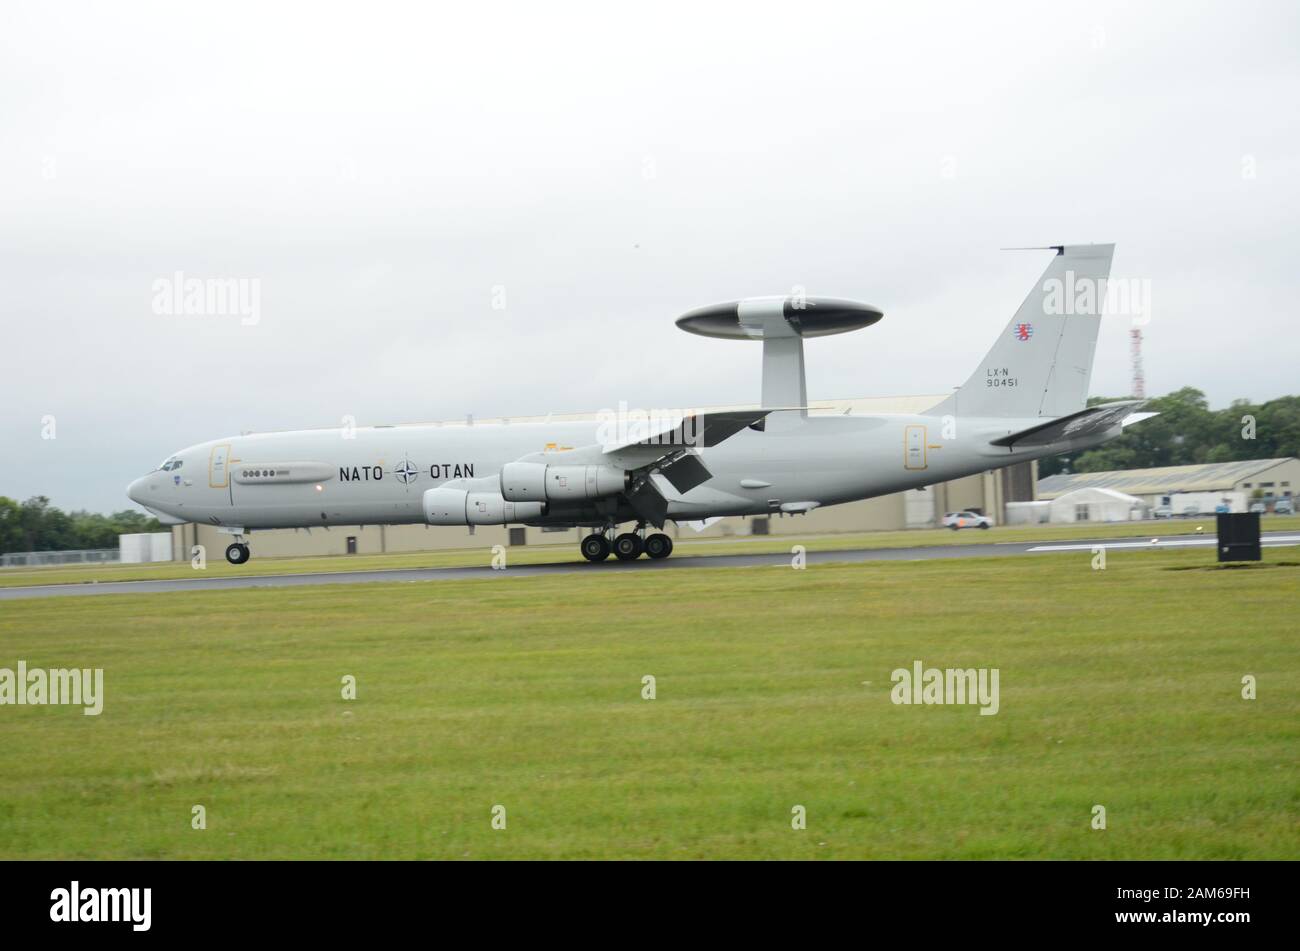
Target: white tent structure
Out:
[1096,505]
[1028,513]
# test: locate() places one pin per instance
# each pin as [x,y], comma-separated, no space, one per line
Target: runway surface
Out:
[814,557]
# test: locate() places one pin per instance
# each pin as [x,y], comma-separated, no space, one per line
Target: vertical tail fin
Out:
[1042,362]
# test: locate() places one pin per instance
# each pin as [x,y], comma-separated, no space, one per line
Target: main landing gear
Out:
[595,547]
[628,546]
[238,553]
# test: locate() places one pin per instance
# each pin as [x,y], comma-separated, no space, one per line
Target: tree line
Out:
[35,525]
[1187,432]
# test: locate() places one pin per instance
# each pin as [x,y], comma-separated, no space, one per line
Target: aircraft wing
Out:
[664,450]
[700,430]
[1093,421]
[639,443]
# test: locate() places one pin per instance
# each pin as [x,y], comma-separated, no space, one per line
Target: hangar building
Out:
[1264,479]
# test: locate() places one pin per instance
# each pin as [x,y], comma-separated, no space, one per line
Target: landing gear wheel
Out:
[595,548]
[628,547]
[658,545]
[237,554]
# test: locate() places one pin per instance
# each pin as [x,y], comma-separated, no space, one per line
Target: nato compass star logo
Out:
[406,472]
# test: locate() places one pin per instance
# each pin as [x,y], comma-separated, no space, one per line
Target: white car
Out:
[956,520]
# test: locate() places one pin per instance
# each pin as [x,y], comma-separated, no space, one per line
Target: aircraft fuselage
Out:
[379,475]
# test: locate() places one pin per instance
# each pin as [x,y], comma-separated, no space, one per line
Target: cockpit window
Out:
[170,464]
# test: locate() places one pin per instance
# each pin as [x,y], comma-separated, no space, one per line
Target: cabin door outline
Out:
[914,448]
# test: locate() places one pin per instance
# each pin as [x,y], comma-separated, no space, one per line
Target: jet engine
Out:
[537,482]
[446,506]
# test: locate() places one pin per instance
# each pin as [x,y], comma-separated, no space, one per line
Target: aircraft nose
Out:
[135,491]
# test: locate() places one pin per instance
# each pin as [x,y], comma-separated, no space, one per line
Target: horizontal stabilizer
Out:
[1093,421]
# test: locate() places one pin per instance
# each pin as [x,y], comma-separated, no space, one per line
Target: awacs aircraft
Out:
[1026,399]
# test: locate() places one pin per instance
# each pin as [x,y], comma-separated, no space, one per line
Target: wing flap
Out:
[685,472]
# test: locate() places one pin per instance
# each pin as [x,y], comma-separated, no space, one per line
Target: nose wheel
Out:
[237,553]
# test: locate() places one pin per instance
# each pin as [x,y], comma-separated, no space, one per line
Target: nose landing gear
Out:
[238,553]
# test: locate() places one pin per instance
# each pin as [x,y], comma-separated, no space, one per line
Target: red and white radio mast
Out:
[1135,355]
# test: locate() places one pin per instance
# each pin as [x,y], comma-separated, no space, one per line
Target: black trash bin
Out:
[1239,536]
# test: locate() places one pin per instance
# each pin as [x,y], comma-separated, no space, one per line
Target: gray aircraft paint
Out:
[1037,370]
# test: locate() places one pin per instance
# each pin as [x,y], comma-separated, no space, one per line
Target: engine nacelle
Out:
[447,506]
[537,482]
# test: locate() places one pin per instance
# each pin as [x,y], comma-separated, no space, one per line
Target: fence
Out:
[33,559]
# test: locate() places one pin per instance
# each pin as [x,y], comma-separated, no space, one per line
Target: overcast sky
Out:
[384,171]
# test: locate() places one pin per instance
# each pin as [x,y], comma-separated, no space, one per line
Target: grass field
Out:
[541,554]
[1119,687]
